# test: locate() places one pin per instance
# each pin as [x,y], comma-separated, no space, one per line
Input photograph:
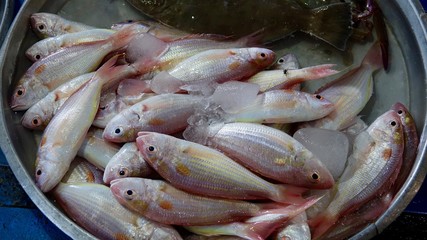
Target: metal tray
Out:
[405,82]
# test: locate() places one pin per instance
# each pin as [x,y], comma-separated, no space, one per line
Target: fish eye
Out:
[39,172]
[20,91]
[315,177]
[281,60]
[319,97]
[103,107]
[399,112]
[118,130]
[36,121]
[123,172]
[37,56]
[393,123]
[151,148]
[263,55]
[41,27]
[129,194]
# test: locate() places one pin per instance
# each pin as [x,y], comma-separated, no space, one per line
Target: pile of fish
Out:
[153,133]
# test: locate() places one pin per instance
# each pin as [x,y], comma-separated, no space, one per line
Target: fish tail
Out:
[289,194]
[266,226]
[310,73]
[109,73]
[330,23]
[321,224]
[374,57]
[252,40]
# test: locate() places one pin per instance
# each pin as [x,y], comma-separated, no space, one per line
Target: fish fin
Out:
[268,220]
[252,40]
[234,95]
[108,71]
[374,57]
[133,87]
[331,23]
[145,48]
[321,224]
[163,82]
[125,36]
[309,73]
[289,194]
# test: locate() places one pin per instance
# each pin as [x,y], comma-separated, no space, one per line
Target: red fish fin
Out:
[331,23]
[133,87]
[374,57]
[289,194]
[163,82]
[321,224]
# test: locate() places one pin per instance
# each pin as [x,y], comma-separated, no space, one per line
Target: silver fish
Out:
[65,133]
[94,207]
[378,158]
[46,47]
[266,151]
[49,73]
[51,25]
[128,162]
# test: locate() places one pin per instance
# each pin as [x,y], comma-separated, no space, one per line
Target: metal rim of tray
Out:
[403,198]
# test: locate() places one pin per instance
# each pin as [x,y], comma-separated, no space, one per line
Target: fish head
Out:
[317,101]
[124,164]
[133,192]
[154,147]
[405,116]
[48,174]
[121,128]
[287,62]
[261,57]
[387,128]
[32,118]
[43,23]
[316,174]
[37,51]
[28,91]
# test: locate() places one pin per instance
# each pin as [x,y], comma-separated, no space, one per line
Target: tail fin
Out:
[124,36]
[309,73]
[374,57]
[321,224]
[289,194]
[253,39]
[110,74]
[331,23]
[258,227]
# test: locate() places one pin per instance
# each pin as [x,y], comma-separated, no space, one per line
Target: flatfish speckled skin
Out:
[331,23]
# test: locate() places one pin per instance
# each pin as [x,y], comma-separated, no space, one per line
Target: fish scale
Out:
[267,151]
[378,158]
[93,206]
[201,170]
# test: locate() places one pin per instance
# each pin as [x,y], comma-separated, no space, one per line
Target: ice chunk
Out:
[331,147]
[234,95]
[145,46]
